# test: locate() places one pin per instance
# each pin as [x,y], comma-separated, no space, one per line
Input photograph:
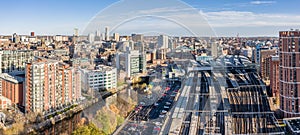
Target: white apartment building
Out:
[15,60]
[103,77]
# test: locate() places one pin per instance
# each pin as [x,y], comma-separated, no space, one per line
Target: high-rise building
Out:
[289,81]
[75,36]
[151,56]
[274,75]
[137,37]
[98,33]
[172,43]
[32,34]
[91,37]
[132,61]
[76,33]
[97,36]
[116,37]
[16,38]
[50,85]
[257,50]
[14,60]
[163,41]
[214,50]
[107,33]
[135,63]
[265,64]
[102,37]
[161,54]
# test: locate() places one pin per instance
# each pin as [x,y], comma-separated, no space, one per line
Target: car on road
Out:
[157,128]
[168,103]
[162,116]
[160,99]
[166,107]
[158,123]
[131,129]
[156,104]
[173,95]
[164,111]
[138,108]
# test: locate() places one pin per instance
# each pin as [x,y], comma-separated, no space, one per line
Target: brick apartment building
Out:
[289,81]
[50,85]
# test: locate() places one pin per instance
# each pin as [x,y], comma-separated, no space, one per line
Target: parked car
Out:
[166,107]
[168,103]
[164,111]
[162,116]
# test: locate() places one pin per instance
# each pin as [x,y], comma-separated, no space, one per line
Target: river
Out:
[67,126]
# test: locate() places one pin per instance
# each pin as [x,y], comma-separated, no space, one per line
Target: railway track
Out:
[247,112]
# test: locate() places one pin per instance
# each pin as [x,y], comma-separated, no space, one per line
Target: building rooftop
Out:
[10,51]
[2,98]
[275,58]
[99,68]
[233,61]
[104,68]
[14,79]
[293,124]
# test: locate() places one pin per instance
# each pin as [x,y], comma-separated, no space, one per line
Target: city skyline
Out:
[150,67]
[247,18]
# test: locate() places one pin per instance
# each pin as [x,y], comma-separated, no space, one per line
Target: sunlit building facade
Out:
[289,81]
[50,85]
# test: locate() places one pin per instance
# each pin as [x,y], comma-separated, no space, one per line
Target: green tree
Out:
[89,129]
[120,120]
[107,119]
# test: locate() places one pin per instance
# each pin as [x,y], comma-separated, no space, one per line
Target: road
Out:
[149,119]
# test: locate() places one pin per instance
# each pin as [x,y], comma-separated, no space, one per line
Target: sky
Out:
[224,17]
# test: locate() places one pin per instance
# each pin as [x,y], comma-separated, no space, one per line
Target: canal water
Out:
[67,126]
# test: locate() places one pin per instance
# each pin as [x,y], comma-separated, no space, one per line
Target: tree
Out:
[150,86]
[31,117]
[16,129]
[107,119]
[39,118]
[89,129]
[143,86]
[120,120]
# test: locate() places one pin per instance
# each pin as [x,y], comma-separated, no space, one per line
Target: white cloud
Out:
[262,2]
[249,4]
[166,10]
[250,19]
[173,18]
[167,18]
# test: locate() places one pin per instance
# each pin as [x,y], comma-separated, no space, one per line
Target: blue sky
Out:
[226,17]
